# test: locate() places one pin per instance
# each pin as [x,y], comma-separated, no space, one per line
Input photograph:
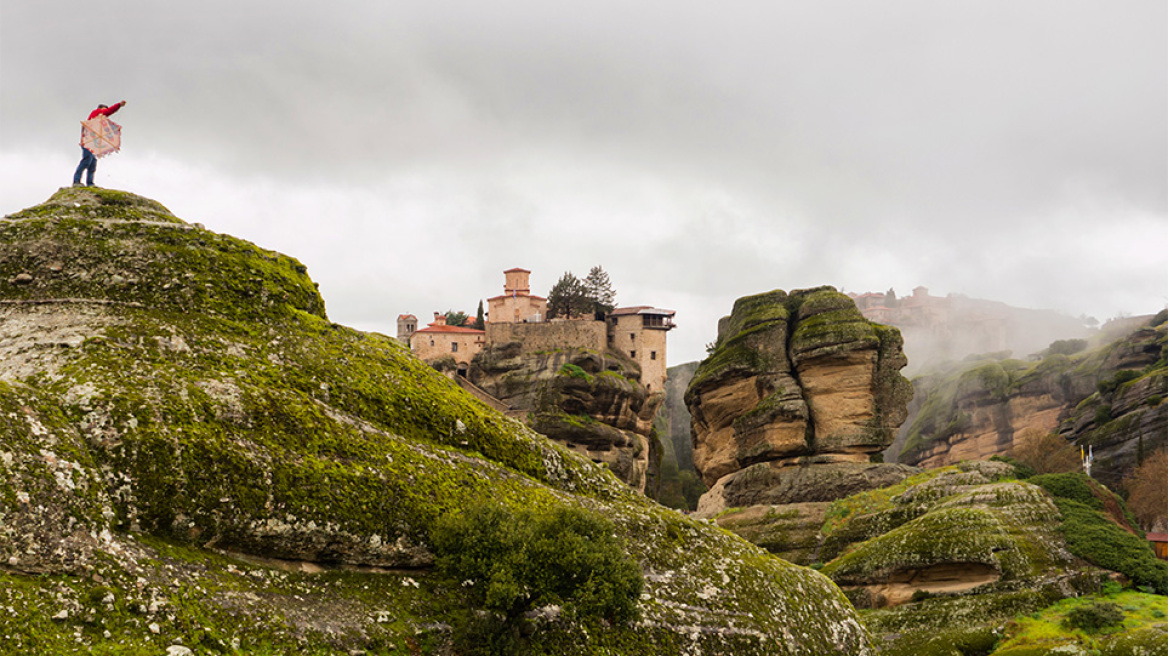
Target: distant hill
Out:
[1108,397]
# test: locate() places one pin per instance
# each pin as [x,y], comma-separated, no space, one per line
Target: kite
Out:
[101,136]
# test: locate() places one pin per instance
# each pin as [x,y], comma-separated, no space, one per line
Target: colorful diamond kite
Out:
[101,136]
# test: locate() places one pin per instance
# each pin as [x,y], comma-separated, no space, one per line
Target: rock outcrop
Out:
[593,403]
[1109,397]
[799,394]
[178,417]
[957,551]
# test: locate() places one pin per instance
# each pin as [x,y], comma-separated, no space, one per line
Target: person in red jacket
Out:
[88,159]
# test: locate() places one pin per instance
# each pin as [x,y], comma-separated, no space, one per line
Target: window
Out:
[632,354]
[454,347]
[652,355]
[431,342]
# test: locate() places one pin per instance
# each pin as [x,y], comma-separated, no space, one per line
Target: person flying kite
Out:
[99,137]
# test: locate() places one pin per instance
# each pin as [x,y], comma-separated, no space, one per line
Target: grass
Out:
[1049,628]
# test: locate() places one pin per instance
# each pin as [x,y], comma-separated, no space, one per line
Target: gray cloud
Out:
[1012,150]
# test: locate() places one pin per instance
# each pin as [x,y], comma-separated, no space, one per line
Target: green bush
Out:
[1094,538]
[1074,486]
[1109,385]
[1066,346]
[510,562]
[1022,471]
[1094,617]
[575,371]
[1103,415]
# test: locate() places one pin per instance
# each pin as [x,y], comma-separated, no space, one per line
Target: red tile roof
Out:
[516,269]
[450,329]
[495,298]
[1158,537]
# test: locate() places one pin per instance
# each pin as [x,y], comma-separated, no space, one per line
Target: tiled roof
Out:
[516,269]
[1158,537]
[640,309]
[403,317]
[449,329]
[495,298]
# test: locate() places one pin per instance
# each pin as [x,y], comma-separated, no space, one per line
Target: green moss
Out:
[574,371]
[1053,627]
[198,415]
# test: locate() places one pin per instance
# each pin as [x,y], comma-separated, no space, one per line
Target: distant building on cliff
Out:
[640,333]
[516,304]
[518,316]
[937,329]
[406,325]
[440,341]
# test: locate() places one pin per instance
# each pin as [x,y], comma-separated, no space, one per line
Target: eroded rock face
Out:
[801,387]
[1109,397]
[590,402]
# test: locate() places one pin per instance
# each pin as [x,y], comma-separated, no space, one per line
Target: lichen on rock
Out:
[189,411]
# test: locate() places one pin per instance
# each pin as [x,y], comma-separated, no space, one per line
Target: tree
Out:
[1046,453]
[599,290]
[568,298]
[455,318]
[480,319]
[1148,491]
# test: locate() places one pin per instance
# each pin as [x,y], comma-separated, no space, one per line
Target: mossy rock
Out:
[171,435]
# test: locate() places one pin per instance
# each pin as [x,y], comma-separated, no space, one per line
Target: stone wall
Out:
[550,336]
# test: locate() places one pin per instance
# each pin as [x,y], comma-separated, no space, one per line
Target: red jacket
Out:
[106,111]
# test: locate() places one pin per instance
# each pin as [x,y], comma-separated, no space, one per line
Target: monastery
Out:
[517,315]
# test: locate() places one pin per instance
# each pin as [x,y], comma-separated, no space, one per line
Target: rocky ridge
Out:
[1108,397]
[178,417]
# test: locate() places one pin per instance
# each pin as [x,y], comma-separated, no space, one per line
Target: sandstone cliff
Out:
[1109,397]
[593,403]
[192,457]
[798,396]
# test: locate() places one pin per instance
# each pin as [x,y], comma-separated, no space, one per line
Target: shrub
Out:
[1109,385]
[574,371]
[1094,617]
[1066,346]
[1148,490]
[1076,487]
[1102,415]
[512,561]
[1022,471]
[1045,453]
[1092,537]
[921,595]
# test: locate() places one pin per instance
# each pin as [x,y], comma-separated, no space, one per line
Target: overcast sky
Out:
[408,153]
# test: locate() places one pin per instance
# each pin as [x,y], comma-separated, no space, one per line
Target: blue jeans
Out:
[88,163]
